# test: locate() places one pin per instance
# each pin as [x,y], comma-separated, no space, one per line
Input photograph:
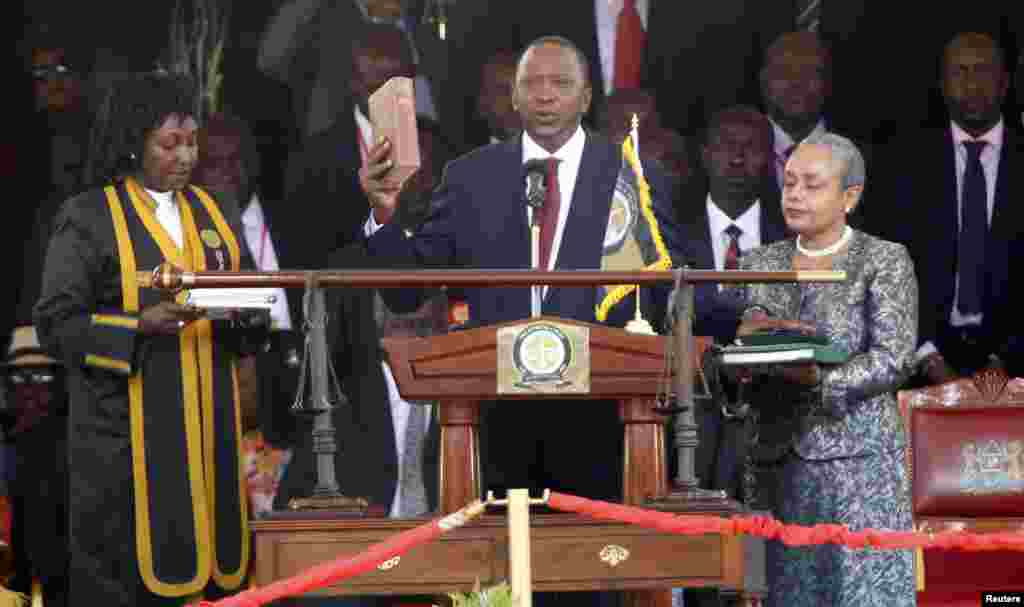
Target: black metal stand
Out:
[685,495]
[324,395]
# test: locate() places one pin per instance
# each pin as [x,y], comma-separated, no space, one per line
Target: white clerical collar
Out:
[783,141]
[993,137]
[162,198]
[718,221]
[571,151]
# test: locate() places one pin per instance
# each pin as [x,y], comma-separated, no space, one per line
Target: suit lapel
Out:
[583,236]
[702,253]
[949,200]
[514,222]
[1002,208]
[773,224]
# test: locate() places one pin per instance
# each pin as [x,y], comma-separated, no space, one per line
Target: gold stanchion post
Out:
[519,569]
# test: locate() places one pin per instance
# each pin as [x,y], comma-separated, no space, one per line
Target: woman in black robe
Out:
[157,508]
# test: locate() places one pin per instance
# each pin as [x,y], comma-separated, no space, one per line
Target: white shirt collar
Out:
[365,126]
[571,152]
[993,137]
[163,198]
[612,8]
[783,141]
[718,221]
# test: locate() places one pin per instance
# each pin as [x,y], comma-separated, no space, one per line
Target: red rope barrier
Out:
[332,572]
[791,535]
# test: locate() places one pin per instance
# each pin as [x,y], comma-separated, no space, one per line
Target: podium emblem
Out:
[543,357]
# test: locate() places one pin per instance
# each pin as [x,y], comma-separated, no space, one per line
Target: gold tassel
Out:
[10,598]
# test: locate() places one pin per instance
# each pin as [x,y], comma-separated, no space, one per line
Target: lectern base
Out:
[689,499]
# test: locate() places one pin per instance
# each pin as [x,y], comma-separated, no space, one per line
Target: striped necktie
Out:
[733,252]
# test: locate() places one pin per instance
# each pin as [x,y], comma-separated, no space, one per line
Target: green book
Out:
[776,348]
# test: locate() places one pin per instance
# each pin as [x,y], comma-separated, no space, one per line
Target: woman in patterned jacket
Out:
[831,442]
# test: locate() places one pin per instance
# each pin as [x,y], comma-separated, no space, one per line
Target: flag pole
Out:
[639,324]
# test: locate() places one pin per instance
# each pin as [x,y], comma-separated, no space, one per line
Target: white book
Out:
[234,299]
[773,357]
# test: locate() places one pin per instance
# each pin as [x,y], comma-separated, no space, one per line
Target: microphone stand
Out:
[535,197]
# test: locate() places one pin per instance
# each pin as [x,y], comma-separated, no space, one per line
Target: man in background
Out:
[35,422]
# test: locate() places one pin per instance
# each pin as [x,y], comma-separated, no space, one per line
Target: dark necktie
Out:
[732,253]
[629,47]
[549,213]
[973,229]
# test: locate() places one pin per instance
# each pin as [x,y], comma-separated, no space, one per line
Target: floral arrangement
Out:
[495,596]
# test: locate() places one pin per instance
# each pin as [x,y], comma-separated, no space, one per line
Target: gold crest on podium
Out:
[544,357]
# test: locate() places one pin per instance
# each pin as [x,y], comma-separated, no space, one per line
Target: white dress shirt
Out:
[990,166]
[261,247]
[783,142]
[718,222]
[606,16]
[365,130]
[168,215]
[570,155]
[400,419]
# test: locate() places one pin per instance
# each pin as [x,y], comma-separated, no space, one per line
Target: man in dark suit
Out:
[480,220]
[731,212]
[737,159]
[326,203]
[796,84]
[963,186]
[305,42]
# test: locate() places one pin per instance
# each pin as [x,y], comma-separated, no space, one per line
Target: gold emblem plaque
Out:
[544,357]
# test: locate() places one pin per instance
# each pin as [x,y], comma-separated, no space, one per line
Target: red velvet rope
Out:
[332,572]
[792,535]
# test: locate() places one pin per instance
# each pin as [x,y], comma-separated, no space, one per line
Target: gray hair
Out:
[844,151]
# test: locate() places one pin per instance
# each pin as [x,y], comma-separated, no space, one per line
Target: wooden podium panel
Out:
[566,554]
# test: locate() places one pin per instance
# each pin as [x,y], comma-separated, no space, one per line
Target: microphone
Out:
[537,188]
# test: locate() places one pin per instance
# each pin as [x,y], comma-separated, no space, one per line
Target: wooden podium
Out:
[568,552]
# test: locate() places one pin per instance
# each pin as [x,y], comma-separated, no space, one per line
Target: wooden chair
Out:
[966,461]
